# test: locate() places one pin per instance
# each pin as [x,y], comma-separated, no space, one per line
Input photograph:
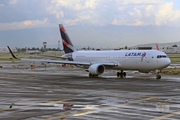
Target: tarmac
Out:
[53,92]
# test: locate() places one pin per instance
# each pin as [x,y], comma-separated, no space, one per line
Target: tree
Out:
[174,46]
[23,49]
[54,49]
[33,48]
[83,48]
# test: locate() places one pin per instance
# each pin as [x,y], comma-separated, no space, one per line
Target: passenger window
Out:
[161,56]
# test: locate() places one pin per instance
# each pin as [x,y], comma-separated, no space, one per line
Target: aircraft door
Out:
[147,58]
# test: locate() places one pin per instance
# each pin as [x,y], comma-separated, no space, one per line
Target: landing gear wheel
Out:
[118,74]
[91,75]
[124,74]
[121,74]
[158,77]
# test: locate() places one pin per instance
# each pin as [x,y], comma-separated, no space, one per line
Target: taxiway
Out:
[40,94]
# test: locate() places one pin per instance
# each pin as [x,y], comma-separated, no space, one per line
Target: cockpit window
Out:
[161,56]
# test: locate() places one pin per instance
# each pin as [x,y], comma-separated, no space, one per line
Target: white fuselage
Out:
[126,59]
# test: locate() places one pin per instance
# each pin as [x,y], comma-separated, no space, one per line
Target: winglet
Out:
[12,53]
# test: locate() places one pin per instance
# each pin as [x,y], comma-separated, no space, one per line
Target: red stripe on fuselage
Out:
[62,29]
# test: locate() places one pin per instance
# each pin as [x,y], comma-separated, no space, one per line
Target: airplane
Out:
[96,62]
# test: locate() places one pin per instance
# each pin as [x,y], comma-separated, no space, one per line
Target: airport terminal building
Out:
[5,50]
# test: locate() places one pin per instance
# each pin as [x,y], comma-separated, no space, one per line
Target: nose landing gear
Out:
[158,76]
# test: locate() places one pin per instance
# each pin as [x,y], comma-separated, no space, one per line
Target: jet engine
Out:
[96,69]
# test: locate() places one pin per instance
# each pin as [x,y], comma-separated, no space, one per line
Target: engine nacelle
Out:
[96,69]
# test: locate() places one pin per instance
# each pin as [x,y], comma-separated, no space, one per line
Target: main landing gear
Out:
[91,75]
[121,74]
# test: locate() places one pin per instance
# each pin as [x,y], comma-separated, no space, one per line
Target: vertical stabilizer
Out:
[67,44]
[157,47]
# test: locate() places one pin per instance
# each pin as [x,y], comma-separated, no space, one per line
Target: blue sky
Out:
[93,23]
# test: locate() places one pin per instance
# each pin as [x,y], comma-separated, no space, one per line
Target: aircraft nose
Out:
[168,62]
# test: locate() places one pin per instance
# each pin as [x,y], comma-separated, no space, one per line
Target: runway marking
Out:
[149,98]
[6,109]
[166,115]
[56,101]
[141,100]
[78,113]
[61,116]
[30,105]
[90,110]
[69,114]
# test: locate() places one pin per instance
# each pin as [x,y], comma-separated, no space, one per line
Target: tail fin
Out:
[68,46]
[157,47]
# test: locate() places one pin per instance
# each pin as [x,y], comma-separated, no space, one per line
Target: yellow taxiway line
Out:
[166,115]
[30,105]
[105,107]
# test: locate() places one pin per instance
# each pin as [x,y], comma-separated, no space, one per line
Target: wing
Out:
[62,57]
[56,61]
[70,62]
[110,64]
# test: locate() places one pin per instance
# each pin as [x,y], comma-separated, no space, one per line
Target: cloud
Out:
[117,12]
[99,12]
[23,24]
[160,13]
[13,1]
[58,13]
[138,23]
[139,2]
[77,20]
[72,12]
[76,4]
[149,10]
[166,14]
[91,4]
[70,22]
[115,22]
[84,17]
[1,5]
